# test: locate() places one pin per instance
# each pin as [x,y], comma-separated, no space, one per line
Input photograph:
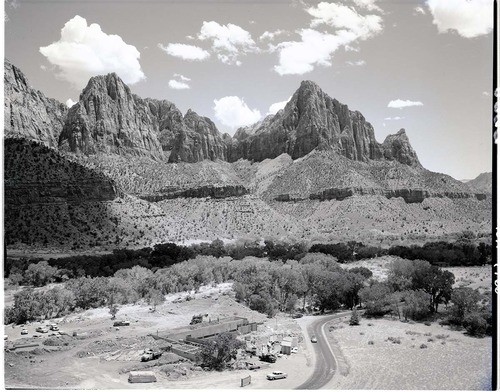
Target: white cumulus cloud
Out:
[185,52]
[356,63]
[228,41]
[469,18]
[342,17]
[270,35]
[84,51]
[393,118]
[182,77]
[176,85]
[399,103]
[317,48]
[419,10]
[70,102]
[234,112]
[277,106]
[368,4]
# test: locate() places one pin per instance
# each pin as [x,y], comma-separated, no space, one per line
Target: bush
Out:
[475,324]
[394,340]
[423,346]
[370,342]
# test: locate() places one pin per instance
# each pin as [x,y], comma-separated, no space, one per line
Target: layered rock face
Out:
[109,118]
[197,140]
[29,113]
[397,147]
[211,191]
[313,120]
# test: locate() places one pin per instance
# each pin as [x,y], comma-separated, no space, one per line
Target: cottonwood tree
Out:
[219,351]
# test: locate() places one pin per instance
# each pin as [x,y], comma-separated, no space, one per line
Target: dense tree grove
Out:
[269,277]
[462,252]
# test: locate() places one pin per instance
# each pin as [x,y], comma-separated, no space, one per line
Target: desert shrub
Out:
[442,336]
[430,340]
[427,323]
[475,324]
[394,340]
[371,343]
[423,346]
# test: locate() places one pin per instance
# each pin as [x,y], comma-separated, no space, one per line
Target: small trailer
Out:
[141,377]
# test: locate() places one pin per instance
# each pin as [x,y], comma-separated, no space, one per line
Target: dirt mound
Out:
[62,340]
[165,359]
[180,371]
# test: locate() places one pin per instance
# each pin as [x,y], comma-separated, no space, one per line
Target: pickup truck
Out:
[150,355]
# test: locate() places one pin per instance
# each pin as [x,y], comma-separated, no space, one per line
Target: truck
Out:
[150,355]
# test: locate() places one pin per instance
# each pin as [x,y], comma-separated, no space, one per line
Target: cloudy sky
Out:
[425,66]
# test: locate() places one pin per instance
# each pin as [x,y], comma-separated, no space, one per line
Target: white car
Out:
[276,375]
[294,350]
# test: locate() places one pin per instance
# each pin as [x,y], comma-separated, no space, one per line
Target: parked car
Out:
[276,375]
[314,339]
[121,323]
[297,315]
[5,337]
[252,366]
[42,329]
[24,331]
[268,358]
[54,327]
[294,350]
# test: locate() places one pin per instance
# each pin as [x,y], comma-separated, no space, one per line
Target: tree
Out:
[155,297]
[354,318]
[465,301]
[416,305]
[40,274]
[376,299]
[218,352]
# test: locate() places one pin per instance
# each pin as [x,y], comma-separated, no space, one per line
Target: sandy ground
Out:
[451,359]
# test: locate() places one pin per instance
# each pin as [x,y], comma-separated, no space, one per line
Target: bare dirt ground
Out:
[449,360]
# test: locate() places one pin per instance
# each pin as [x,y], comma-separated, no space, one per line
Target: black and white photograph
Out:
[249,194]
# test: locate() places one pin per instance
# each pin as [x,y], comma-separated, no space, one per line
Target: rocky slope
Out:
[482,183]
[29,113]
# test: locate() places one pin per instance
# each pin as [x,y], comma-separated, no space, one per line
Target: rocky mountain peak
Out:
[28,113]
[397,147]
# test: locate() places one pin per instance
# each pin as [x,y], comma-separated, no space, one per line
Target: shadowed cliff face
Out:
[29,113]
[36,174]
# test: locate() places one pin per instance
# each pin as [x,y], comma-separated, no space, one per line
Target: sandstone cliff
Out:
[197,140]
[29,113]
[312,120]
[108,118]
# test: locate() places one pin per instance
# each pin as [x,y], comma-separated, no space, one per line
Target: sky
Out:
[425,66]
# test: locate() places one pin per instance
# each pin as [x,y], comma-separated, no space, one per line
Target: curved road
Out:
[325,363]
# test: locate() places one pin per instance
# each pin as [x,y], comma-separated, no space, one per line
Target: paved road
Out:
[325,364]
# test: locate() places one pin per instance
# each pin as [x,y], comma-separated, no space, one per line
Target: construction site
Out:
[89,350]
